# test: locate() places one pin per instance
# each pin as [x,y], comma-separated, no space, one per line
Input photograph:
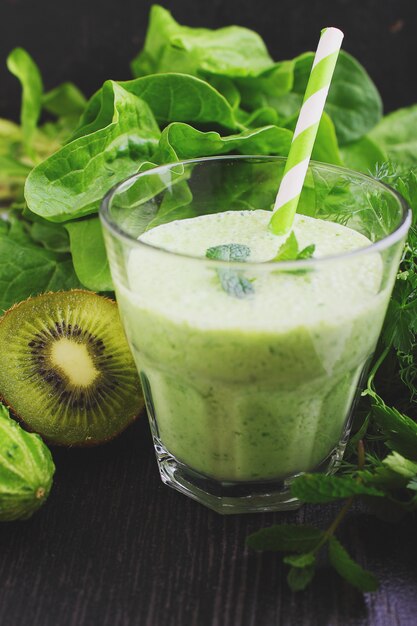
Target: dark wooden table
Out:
[115,547]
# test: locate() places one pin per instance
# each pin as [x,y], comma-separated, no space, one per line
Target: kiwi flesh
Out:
[66,370]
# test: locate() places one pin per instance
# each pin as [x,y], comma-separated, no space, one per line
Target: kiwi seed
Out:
[65,368]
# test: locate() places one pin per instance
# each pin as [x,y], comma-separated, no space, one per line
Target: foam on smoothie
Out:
[306,295]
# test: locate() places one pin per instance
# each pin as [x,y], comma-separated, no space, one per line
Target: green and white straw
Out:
[306,130]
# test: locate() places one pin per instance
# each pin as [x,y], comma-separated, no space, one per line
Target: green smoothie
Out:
[258,387]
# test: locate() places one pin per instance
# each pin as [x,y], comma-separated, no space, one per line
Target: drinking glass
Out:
[244,394]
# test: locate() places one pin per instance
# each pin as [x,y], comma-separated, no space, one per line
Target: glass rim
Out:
[382,244]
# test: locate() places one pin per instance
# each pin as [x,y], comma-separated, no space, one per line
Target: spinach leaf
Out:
[227,88]
[363,154]
[175,205]
[182,98]
[353,102]
[397,135]
[72,182]
[64,101]
[21,64]
[27,268]
[171,97]
[264,116]
[262,90]
[170,47]
[51,236]
[89,254]
[181,141]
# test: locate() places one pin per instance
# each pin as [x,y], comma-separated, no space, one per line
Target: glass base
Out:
[236,497]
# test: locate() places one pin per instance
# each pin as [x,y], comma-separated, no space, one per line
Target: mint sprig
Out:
[290,250]
[305,542]
[232,281]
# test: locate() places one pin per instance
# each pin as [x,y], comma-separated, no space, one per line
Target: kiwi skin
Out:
[61,431]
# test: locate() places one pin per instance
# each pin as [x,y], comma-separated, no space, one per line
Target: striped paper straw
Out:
[306,130]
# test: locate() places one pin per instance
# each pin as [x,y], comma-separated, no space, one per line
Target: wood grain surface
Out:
[114,547]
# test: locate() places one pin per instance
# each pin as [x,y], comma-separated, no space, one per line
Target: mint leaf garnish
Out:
[290,250]
[232,282]
[307,252]
[349,569]
[229,252]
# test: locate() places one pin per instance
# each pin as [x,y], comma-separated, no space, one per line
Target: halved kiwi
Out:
[65,368]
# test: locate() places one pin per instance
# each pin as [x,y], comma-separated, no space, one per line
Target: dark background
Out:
[89,41]
[113,546]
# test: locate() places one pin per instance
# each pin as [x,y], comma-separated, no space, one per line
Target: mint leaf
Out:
[307,252]
[349,569]
[298,579]
[315,488]
[285,538]
[229,252]
[300,560]
[232,282]
[288,251]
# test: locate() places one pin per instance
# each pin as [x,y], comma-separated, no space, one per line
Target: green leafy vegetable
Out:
[285,538]
[22,66]
[80,174]
[298,578]
[89,254]
[52,236]
[169,47]
[27,269]
[66,100]
[349,569]
[182,141]
[363,155]
[323,488]
[353,102]
[396,134]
